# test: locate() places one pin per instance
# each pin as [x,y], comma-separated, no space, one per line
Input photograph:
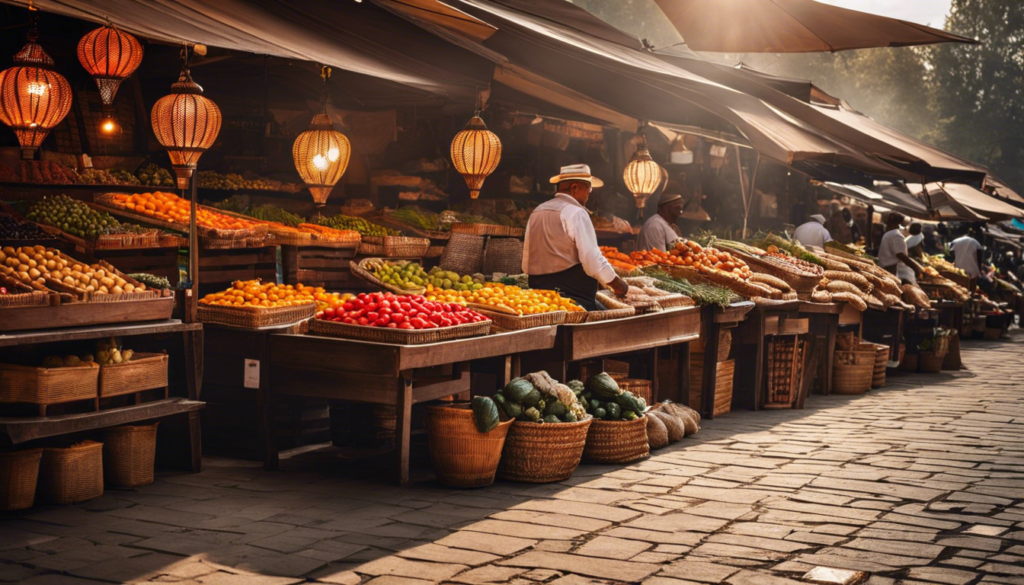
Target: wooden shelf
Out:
[22,429]
[95,332]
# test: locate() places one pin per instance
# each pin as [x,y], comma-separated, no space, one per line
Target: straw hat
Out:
[577,173]
[668,198]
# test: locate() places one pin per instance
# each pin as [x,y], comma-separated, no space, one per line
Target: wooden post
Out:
[403,427]
[193,251]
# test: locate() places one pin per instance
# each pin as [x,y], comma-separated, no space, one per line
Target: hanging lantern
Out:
[475,153]
[642,175]
[186,124]
[33,97]
[110,56]
[321,153]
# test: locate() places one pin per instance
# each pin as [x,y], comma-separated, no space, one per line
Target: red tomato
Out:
[358,304]
[385,304]
[348,305]
[430,325]
[361,296]
[445,322]
[383,321]
[384,311]
[392,325]
[373,315]
[328,313]
[405,306]
[349,320]
[405,326]
[418,322]
[397,318]
[364,321]
[436,318]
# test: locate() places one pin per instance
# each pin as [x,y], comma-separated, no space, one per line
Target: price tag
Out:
[252,374]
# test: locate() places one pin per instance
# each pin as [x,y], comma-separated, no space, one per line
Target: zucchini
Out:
[485,413]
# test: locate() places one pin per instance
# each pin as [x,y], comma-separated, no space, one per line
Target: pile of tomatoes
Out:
[400,312]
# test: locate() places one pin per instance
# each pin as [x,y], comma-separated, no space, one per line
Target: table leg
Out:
[813,356]
[517,366]
[759,361]
[684,374]
[710,374]
[507,371]
[193,350]
[654,375]
[403,426]
[829,357]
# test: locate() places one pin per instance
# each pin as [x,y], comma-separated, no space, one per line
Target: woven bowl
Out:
[543,452]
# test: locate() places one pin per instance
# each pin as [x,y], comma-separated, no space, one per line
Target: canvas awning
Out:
[791,26]
[974,199]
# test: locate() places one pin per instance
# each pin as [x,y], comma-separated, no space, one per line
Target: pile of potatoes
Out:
[34,264]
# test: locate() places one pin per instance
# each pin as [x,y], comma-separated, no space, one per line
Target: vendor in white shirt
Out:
[892,251]
[813,233]
[560,251]
[659,231]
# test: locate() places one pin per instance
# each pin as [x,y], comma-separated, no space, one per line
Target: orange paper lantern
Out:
[475,153]
[110,56]
[321,154]
[33,97]
[642,175]
[185,123]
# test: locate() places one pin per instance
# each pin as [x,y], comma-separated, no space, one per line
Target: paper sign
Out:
[252,374]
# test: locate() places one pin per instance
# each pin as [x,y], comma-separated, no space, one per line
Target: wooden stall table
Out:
[381,373]
[180,444]
[825,319]
[951,314]
[714,319]
[767,317]
[885,328]
[603,339]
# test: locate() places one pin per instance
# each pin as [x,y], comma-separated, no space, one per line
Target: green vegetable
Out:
[603,386]
[152,281]
[628,401]
[485,413]
[614,411]
[551,419]
[600,413]
[629,415]
[702,294]
[795,249]
[512,409]
[576,386]
[517,389]
[499,397]
[541,405]
[532,414]
[595,404]
[532,398]
[347,222]
[570,417]
[556,408]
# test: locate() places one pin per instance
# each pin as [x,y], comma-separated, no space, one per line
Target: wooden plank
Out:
[338,356]
[371,389]
[793,326]
[591,340]
[77,326]
[820,308]
[474,348]
[22,429]
[734,312]
[850,315]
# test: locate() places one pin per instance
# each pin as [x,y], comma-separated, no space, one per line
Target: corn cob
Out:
[852,277]
[772,281]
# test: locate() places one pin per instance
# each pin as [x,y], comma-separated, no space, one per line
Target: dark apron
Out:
[573,283]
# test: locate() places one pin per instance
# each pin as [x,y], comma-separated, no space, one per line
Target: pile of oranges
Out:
[170,207]
[691,254]
[506,298]
[253,293]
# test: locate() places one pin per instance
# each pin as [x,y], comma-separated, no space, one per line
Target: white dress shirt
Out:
[812,233]
[560,235]
[657,233]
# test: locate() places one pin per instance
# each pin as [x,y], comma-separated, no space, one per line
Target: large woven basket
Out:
[402,336]
[929,362]
[951,361]
[144,372]
[255,317]
[393,246]
[462,455]
[595,316]
[504,255]
[852,371]
[486,229]
[881,359]
[19,471]
[47,385]
[360,270]
[785,369]
[543,452]
[463,254]
[129,454]
[640,388]
[73,474]
[723,385]
[617,441]
[799,280]
[506,322]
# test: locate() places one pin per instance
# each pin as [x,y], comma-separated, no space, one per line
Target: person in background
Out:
[855,235]
[813,232]
[837,226]
[932,243]
[967,254]
[560,250]
[892,251]
[914,250]
[659,231]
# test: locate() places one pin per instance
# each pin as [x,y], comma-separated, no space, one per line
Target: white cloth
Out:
[560,235]
[965,252]
[892,244]
[906,273]
[914,240]
[812,233]
[656,233]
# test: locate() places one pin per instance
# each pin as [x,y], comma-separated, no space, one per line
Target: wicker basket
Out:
[360,270]
[543,452]
[852,371]
[799,280]
[19,471]
[506,322]
[486,229]
[394,246]
[595,316]
[71,474]
[909,363]
[464,254]
[881,359]
[723,385]
[616,441]
[47,385]
[640,388]
[930,363]
[144,372]
[785,371]
[951,361]
[462,455]
[434,252]
[255,317]
[129,454]
[401,336]
[504,255]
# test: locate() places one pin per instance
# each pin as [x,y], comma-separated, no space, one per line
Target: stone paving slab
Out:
[919,482]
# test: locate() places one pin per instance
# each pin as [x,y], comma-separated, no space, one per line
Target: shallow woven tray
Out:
[462,455]
[740,287]
[145,371]
[47,385]
[486,229]
[394,246]
[794,277]
[595,316]
[71,474]
[19,471]
[129,455]
[616,441]
[507,322]
[254,317]
[543,452]
[609,301]
[358,270]
[392,335]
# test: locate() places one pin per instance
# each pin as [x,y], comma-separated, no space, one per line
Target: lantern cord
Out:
[325,93]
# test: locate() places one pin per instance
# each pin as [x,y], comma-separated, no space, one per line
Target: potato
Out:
[141,287]
[34,274]
[84,279]
[70,280]
[9,251]
[117,290]
[40,249]
[23,276]
[22,268]
[23,258]
[49,255]
[3,256]
[51,265]
[129,287]
[90,288]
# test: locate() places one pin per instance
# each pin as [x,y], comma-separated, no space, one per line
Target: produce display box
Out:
[48,386]
[209,238]
[218,268]
[82,314]
[319,266]
[161,261]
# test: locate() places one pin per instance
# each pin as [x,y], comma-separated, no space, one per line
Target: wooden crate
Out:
[318,266]
[219,268]
[723,384]
[156,261]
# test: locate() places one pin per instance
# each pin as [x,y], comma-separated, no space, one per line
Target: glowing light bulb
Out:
[36,88]
[333,154]
[108,126]
[320,162]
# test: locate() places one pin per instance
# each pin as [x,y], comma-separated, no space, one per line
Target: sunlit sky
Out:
[929,12]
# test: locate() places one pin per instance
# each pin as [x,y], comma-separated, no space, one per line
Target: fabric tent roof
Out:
[791,26]
[974,199]
[910,196]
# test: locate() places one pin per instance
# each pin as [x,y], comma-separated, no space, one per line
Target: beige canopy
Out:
[791,26]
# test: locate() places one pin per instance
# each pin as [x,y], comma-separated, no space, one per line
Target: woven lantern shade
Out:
[475,153]
[642,175]
[186,124]
[110,56]
[33,97]
[321,153]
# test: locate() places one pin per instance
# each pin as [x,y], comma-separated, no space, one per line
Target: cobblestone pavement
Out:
[921,482]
